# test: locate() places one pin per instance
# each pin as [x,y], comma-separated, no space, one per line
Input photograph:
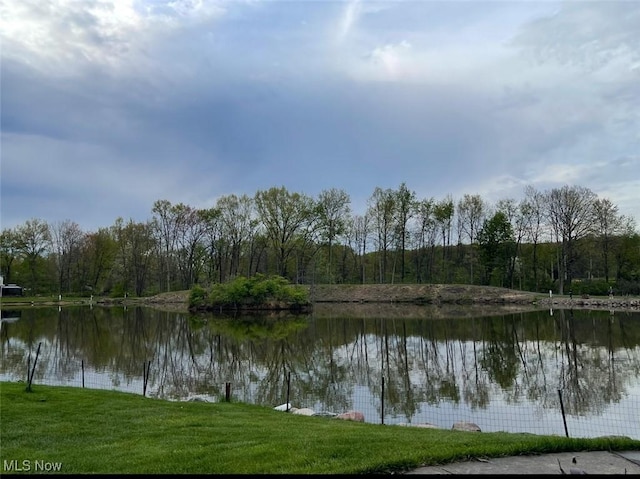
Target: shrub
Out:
[117,291]
[624,287]
[197,296]
[591,287]
[256,290]
[237,291]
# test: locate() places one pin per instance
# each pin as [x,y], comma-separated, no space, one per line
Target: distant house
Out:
[10,290]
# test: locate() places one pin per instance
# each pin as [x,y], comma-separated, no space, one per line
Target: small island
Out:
[258,293]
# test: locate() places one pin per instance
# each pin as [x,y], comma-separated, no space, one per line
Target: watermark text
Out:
[28,465]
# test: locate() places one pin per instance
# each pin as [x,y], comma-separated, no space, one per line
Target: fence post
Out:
[227,392]
[33,370]
[82,363]
[146,367]
[288,389]
[382,401]
[564,419]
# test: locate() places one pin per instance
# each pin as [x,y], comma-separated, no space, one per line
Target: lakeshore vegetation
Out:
[564,239]
[256,293]
[85,431]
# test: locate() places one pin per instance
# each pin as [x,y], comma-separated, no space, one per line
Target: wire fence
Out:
[378,397]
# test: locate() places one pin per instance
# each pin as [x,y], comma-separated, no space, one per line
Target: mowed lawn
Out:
[75,430]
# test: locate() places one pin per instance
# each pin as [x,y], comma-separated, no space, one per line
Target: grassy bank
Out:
[107,432]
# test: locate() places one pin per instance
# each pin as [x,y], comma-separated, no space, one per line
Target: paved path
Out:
[592,462]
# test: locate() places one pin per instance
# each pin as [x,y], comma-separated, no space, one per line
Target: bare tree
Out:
[533,211]
[443,214]
[239,224]
[570,213]
[192,226]
[360,227]
[607,224]
[471,214]
[66,241]
[333,207]
[519,216]
[142,246]
[425,236]
[382,205]
[166,222]
[405,201]
[215,246]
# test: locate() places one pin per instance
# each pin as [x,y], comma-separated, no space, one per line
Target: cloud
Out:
[348,19]
[109,106]
[589,35]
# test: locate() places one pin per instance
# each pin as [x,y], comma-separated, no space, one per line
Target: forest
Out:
[563,239]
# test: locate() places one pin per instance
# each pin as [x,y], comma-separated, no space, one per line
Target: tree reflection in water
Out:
[502,372]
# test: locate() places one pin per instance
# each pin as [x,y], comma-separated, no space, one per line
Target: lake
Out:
[564,372]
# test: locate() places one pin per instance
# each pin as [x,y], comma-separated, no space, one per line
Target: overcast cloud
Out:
[108,106]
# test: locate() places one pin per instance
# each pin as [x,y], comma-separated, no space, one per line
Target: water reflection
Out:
[502,372]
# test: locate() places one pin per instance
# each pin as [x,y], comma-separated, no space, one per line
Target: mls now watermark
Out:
[30,466]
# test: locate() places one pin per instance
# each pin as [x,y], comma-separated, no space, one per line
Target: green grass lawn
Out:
[108,432]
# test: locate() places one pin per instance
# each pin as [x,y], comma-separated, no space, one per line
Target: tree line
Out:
[563,239]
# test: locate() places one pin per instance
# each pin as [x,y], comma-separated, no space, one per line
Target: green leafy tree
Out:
[32,240]
[495,243]
[285,216]
[627,255]
[99,253]
[9,253]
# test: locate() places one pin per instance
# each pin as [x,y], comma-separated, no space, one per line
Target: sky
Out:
[110,105]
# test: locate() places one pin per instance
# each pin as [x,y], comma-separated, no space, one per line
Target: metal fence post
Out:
[564,419]
[382,401]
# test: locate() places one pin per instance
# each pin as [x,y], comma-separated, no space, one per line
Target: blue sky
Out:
[108,106]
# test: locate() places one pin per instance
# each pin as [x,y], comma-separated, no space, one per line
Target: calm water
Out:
[503,372]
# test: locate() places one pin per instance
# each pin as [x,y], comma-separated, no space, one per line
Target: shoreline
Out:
[348,296]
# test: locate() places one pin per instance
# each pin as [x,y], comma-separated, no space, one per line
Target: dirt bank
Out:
[450,296]
[459,294]
[418,294]
[327,297]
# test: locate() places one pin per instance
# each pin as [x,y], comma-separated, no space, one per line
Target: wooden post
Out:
[82,364]
[227,392]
